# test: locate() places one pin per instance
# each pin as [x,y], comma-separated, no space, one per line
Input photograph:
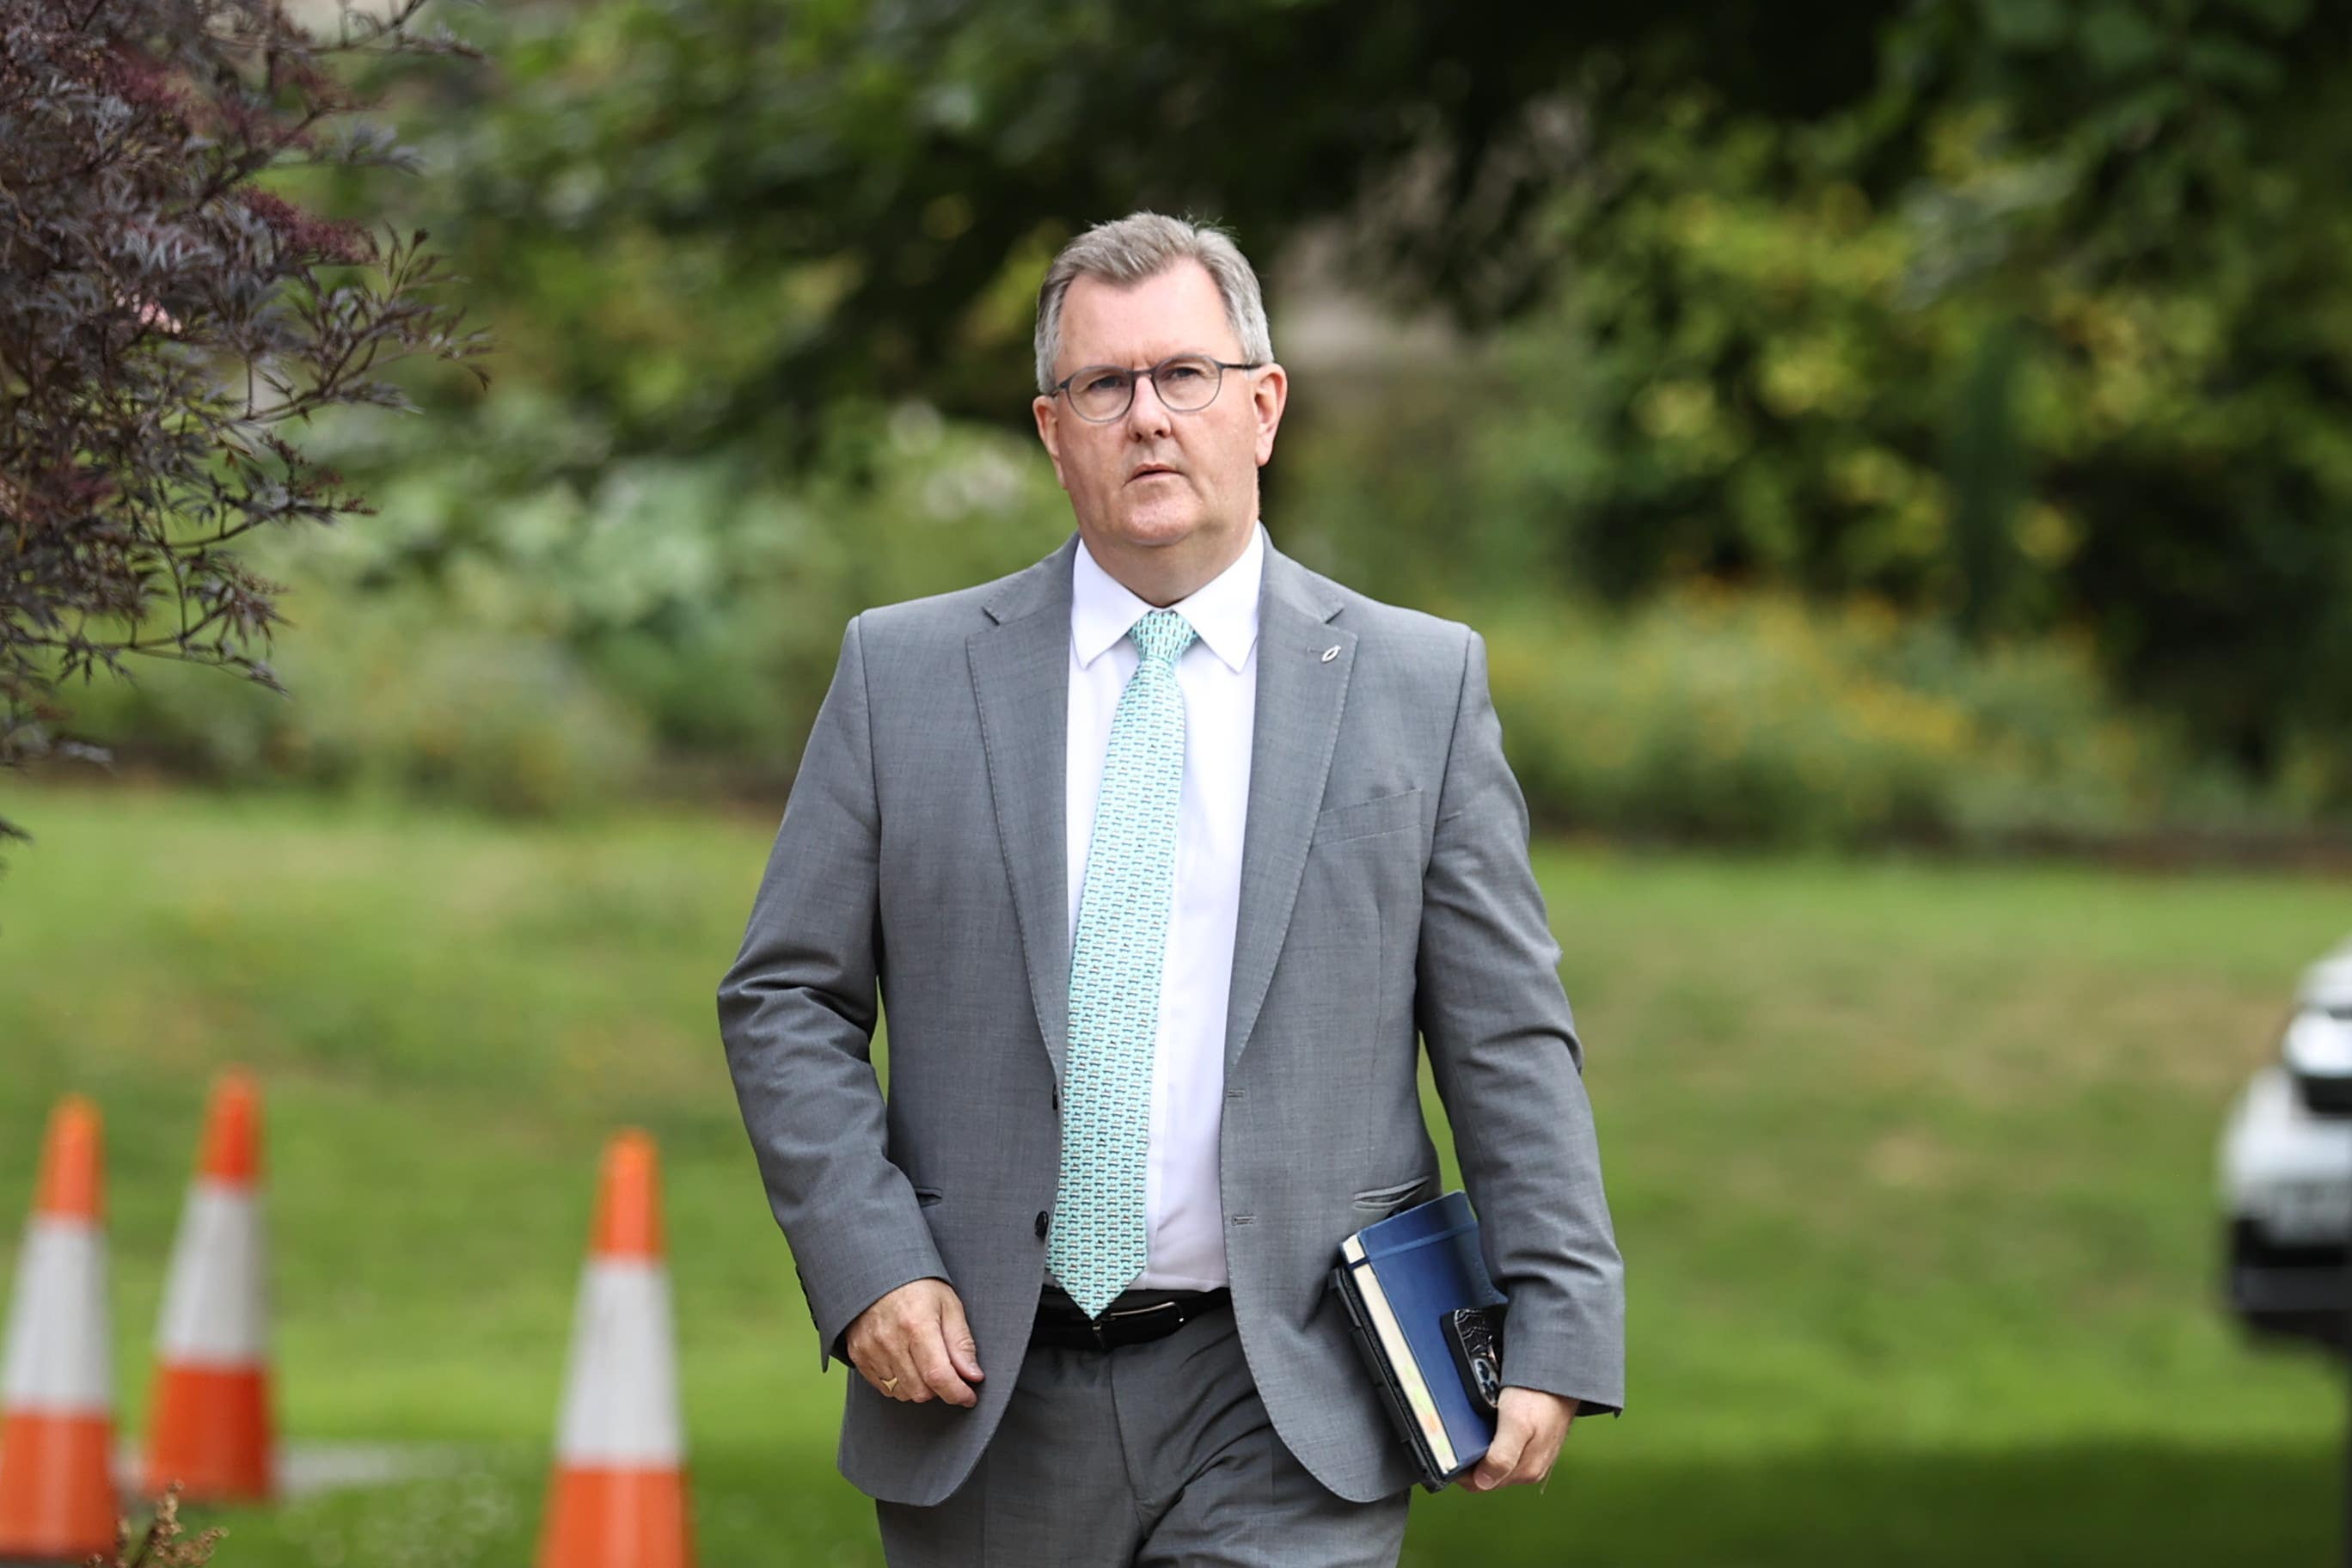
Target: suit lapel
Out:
[1302,684]
[1021,678]
[1019,674]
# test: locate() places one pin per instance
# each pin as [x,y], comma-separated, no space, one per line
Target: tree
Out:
[163,313]
[2048,331]
[724,217]
[2026,312]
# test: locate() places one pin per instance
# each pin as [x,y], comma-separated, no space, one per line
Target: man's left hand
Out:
[1529,1426]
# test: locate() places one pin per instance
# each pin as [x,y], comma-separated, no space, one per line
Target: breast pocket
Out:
[1364,818]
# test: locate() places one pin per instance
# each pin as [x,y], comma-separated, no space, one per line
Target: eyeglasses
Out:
[1187,383]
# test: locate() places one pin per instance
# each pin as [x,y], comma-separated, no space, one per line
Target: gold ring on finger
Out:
[890,1386]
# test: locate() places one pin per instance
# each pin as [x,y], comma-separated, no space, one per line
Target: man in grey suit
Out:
[1162,854]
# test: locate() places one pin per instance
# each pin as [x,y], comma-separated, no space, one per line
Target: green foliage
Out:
[2047,335]
[1756,718]
[526,629]
[398,697]
[166,320]
[2025,319]
[2050,331]
[718,217]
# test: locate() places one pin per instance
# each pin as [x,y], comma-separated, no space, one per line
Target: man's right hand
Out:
[914,1343]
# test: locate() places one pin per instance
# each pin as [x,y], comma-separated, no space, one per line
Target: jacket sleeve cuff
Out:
[1556,1368]
[853,1285]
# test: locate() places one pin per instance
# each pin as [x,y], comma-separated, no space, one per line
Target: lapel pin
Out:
[1330,653]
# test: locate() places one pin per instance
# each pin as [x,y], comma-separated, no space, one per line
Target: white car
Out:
[2286,1170]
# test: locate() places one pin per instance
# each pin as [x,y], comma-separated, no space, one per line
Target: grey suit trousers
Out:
[1158,1455]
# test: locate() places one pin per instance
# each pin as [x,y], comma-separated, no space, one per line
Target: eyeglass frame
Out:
[1150,373]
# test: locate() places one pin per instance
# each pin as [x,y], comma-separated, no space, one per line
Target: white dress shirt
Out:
[1217,673]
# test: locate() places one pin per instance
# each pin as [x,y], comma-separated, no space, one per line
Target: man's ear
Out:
[1049,431]
[1269,394]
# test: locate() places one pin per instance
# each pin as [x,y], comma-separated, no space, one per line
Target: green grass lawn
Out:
[1912,1165]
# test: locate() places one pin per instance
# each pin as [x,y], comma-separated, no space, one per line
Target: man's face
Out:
[1154,476]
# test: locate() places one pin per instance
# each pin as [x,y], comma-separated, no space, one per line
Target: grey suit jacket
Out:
[1385,892]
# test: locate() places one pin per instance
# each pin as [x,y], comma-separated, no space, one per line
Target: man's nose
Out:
[1145,413]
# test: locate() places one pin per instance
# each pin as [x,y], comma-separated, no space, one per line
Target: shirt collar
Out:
[1223,611]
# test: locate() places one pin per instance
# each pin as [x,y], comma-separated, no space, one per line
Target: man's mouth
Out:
[1151,471]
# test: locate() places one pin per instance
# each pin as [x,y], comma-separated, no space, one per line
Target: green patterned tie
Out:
[1098,1243]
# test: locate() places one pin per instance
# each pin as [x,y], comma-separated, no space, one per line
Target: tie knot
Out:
[1161,635]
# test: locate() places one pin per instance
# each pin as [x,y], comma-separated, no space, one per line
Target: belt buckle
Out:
[1152,1312]
[1100,1328]
[1131,1312]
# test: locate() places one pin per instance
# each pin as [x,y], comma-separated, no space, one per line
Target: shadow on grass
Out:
[2121,1503]
[2084,1505]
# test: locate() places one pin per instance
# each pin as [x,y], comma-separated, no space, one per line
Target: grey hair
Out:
[1142,245]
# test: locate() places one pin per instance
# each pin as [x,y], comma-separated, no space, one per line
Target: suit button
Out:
[1041,1225]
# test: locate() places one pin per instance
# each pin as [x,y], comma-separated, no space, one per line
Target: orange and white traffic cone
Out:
[57,1490]
[618,1498]
[210,1426]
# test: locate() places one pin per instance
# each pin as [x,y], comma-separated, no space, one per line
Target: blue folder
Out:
[1399,1277]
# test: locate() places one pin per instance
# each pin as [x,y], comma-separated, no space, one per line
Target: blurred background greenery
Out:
[1859,431]
[1917,423]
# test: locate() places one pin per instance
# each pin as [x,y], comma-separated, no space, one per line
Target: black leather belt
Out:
[1132,1317]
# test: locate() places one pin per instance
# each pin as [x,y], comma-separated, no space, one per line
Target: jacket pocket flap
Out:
[1392,1195]
[1359,819]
